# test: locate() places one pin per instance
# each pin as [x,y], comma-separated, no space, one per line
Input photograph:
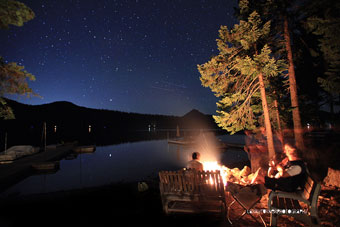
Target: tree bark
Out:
[293,90]
[278,119]
[277,115]
[269,132]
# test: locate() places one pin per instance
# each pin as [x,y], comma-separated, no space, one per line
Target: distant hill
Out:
[69,119]
[196,119]
[63,111]
[194,114]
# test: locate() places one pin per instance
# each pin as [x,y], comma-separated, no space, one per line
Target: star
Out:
[120,47]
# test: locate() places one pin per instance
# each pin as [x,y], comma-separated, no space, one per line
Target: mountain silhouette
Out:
[197,120]
[67,121]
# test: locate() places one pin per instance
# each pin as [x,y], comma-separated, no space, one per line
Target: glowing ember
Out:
[214,166]
[243,177]
[211,166]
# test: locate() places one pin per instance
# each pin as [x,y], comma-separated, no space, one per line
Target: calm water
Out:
[124,162]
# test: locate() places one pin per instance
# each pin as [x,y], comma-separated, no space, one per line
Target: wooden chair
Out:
[289,203]
[190,191]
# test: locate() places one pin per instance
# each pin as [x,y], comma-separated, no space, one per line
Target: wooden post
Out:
[44,136]
[80,171]
[178,134]
[5,142]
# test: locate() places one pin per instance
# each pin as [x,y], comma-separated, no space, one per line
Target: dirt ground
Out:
[122,205]
[328,209]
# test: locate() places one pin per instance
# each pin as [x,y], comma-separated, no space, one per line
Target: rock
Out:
[142,186]
[332,178]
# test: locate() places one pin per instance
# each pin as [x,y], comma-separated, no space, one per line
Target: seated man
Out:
[194,163]
[290,176]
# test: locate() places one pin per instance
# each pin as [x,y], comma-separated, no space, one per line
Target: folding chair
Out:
[247,198]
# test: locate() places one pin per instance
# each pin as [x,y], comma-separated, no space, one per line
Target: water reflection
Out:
[136,161]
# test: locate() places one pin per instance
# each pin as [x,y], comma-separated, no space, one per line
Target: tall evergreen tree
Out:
[324,22]
[239,76]
[298,133]
[277,12]
[13,77]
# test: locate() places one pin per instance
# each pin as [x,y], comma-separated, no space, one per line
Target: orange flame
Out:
[235,175]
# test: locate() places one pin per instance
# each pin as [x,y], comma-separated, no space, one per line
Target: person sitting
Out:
[195,163]
[289,175]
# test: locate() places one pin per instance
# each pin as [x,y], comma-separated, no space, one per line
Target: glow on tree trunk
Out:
[269,133]
[293,90]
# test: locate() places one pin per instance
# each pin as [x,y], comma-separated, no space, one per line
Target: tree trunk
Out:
[293,90]
[278,119]
[269,132]
[277,115]
[331,104]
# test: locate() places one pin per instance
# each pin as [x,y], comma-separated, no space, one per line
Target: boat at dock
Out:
[218,144]
[16,152]
[205,140]
[53,146]
[234,145]
[46,166]
[182,142]
[85,149]
[22,168]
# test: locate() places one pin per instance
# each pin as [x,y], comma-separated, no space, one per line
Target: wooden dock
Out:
[234,145]
[182,142]
[220,145]
[21,168]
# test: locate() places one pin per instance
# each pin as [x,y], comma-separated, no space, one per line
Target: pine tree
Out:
[13,77]
[13,80]
[279,12]
[14,13]
[298,134]
[325,22]
[239,76]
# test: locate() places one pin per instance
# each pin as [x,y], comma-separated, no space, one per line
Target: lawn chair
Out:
[247,197]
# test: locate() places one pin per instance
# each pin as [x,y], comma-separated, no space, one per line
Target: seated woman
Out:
[290,176]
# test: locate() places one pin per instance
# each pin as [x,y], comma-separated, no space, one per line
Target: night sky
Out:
[133,55]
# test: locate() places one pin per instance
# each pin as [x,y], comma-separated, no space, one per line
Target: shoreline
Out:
[121,204]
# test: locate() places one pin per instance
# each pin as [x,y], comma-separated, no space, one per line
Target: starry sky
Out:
[128,55]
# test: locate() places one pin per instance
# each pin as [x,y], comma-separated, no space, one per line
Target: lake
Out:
[137,161]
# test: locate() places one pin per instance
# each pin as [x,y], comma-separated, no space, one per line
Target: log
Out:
[332,178]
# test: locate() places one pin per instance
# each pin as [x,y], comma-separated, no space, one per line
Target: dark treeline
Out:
[68,122]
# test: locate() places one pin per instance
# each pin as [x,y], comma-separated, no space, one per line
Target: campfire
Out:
[235,175]
[206,146]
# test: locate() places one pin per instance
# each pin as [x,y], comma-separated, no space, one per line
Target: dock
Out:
[234,145]
[182,142]
[12,173]
[220,145]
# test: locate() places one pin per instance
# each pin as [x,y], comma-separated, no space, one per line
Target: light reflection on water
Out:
[136,161]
